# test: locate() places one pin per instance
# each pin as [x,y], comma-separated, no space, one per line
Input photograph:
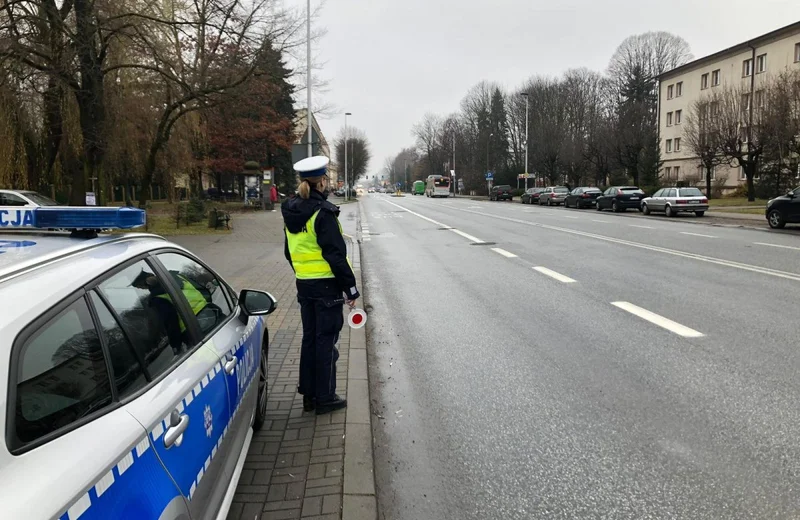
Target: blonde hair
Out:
[304,190]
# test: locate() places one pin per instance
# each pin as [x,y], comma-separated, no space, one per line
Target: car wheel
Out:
[699,213]
[669,211]
[598,207]
[645,209]
[776,220]
[263,387]
[614,207]
[549,202]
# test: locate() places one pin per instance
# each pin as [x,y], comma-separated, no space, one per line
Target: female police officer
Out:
[325,281]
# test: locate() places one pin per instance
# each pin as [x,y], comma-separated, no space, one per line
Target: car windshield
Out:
[630,190]
[561,190]
[504,187]
[39,199]
[691,192]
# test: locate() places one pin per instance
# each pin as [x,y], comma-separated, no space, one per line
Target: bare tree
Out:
[702,140]
[358,153]
[652,53]
[428,133]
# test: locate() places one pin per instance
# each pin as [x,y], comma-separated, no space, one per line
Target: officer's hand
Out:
[351,303]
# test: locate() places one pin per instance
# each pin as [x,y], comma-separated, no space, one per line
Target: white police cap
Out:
[316,166]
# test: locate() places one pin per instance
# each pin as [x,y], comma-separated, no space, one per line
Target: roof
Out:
[736,49]
[21,252]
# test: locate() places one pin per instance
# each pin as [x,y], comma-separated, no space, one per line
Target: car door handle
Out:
[174,434]
[230,366]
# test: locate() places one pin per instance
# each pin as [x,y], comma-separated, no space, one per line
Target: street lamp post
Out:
[489,140]
[346,185]
[454,164]
[526,139]
[308,78]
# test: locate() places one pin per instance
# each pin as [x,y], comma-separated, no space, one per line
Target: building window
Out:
[669,118]
[677,145]
[669,145]
[670,91]
[796,53]
[668,172]
[701,171]
[761,64]
[747,68]
[704,81]
[742,175]
[679,85]
[715,78]
[678,114]
[759,99]
[677,170]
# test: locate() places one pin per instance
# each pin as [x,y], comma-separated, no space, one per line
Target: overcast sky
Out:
[390,61]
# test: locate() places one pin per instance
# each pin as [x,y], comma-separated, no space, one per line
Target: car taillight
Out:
[679,201]
[585,196]
[704,201]
[552,195]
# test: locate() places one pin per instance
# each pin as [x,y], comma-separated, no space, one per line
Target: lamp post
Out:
[526,138]
[308,78]
[346,185]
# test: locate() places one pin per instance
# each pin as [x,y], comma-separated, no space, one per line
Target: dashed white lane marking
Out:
[467,236]
[697,234]
[568,216]
[601,221]
[655,319]
[641,227]
[693,256]
[503,252]
[777,245]
[552,274]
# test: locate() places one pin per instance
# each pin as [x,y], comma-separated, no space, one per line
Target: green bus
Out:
[419,188]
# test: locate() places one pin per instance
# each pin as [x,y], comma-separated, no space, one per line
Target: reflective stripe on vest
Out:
[197,301]
[306,253]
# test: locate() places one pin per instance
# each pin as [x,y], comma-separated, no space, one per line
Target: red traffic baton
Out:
[357,318]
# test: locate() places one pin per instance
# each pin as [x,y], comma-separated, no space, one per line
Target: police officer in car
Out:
[325,282]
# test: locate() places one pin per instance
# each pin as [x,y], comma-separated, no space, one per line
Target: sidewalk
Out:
[299,465]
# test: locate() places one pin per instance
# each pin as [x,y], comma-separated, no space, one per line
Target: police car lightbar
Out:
[87,218]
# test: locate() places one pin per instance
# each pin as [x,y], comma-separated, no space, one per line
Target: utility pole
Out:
[454,165]
[308,78]
[346,184]
[526,139]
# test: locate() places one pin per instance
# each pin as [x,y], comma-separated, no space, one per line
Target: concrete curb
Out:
[359,501]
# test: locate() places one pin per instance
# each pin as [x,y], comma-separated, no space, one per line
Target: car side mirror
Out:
[257,303]
[790,194]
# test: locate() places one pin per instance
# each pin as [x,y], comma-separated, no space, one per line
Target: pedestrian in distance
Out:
[316,250]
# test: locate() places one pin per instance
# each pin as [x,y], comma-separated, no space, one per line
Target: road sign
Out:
[489,176]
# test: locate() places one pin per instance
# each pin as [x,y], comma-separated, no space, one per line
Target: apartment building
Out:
[748,64]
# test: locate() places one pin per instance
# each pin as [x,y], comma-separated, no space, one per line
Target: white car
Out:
[132,376]
[15,207]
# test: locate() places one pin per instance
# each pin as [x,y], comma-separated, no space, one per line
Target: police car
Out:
[16,205]
[132,376]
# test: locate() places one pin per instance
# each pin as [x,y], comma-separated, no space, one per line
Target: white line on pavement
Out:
[642,227]
[552,274]
[600,221]
[696,234]
[423,217]
[776,245]
[503,252]
[701,258]
[467,236]
[568,216]
[676,328]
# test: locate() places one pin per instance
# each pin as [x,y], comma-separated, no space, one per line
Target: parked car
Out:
[620,198]
[553,195]
[676,200]
[501,192]
[582,198]
[784,209]
[531,196]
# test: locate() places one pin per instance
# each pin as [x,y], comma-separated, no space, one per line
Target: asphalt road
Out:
[535,362]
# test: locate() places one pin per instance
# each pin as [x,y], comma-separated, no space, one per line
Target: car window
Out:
[630,190]
[691,192]
[672,193]
[126,363]
[561,190]
[576,191]
[201,289]
[40,199]
[593,190]
[155,325]
[9,199]
[658,193]
[61,375]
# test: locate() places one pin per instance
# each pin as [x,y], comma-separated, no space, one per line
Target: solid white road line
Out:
[701,258]
[503,252]
[696,234]
[423,217]
[777,245]
[552,274]
[467,236]
[642,227]
[661,321]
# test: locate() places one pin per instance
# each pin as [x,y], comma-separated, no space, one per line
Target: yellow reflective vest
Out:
[197,302]
[306,253]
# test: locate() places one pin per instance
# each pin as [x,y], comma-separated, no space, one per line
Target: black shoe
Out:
[337,403]
[308,404]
